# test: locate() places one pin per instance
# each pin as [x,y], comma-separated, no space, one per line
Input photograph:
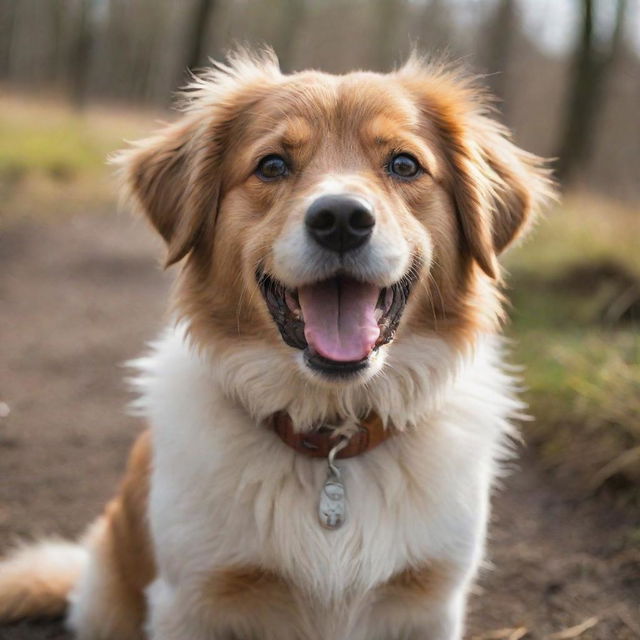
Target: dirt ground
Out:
[80,297]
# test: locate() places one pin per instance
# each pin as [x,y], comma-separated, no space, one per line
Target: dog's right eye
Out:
[271,168]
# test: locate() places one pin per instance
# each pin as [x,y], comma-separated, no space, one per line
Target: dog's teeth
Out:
[291,300]
[388,299]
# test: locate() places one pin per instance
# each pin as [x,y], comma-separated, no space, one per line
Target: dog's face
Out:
[326,214]
[335,185]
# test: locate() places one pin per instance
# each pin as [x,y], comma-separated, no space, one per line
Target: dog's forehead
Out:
[311,103]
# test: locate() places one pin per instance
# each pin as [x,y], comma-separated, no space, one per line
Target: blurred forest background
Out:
[78,77]
[567,72]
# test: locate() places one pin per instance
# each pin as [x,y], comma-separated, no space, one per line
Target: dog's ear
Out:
[163,175]
[175,176]
[496,186]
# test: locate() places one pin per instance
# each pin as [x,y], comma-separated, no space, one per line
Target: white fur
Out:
[50,557]
[92,615]
[226,491]
[35,579]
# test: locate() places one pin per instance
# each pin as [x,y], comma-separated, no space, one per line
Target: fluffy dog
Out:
[328,412]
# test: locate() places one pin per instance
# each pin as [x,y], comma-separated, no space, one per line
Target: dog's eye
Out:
[404,165]
[271,168]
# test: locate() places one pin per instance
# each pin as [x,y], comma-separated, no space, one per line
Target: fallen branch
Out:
[503,634]
[574,632]
[626,459]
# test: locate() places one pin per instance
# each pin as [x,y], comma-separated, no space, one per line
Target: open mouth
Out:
[338,323]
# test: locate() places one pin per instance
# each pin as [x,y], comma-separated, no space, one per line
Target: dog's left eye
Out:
[404,165]
[271,168]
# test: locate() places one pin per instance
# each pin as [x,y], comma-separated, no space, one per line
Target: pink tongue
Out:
[339,318]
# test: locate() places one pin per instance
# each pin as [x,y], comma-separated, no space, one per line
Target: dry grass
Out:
[53,160]
[576,315]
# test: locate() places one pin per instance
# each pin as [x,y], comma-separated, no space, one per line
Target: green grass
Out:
[582,357]
[584,228]
[60,148]
[53,160]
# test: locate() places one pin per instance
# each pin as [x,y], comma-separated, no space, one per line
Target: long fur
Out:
[35,580]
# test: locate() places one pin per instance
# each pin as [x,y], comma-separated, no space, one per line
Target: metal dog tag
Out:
[332,506]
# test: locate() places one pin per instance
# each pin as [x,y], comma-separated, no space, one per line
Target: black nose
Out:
[340,223]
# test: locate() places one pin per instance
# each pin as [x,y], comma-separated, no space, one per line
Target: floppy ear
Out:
[164,175]
[496,186]
[175,176]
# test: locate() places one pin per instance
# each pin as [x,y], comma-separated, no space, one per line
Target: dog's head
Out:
[322,215]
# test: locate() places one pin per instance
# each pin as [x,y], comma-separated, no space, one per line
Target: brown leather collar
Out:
[319,442]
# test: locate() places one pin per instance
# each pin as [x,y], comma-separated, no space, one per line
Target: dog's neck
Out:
[264,380]
[360,435]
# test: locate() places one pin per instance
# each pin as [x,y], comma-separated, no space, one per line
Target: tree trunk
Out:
[384,47]
[435,29]
[291,20]
[590,69]
[196,34]
[499,36]
[7,22]
[56,61]
[80,53]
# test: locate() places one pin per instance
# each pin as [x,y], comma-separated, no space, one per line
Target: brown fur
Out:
[250,591]
[35,581]
[122,545]
[423,583]
[248,602]
[32,584]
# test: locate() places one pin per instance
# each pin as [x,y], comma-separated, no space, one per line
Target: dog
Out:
[329,412]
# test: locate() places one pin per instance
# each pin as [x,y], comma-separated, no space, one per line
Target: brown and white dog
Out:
[338,238]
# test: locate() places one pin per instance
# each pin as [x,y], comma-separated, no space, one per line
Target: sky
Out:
[553,23]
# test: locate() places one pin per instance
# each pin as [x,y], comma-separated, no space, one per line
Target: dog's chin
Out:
[340,326]
[337,373]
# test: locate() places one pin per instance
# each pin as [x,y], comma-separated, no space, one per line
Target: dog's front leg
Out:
[443,622]
[177,613]
[198,611]
[409,618]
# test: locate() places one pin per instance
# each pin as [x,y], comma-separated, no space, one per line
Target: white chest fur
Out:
[226,491]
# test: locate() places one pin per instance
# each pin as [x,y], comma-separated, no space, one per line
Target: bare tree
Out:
[80,52]
[500,31]
[56,12]
[435,32]
[293,14]
[591,65]
[196,33]
[386,14]
[8,10]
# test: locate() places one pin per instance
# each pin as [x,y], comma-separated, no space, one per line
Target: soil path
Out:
[80,297]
